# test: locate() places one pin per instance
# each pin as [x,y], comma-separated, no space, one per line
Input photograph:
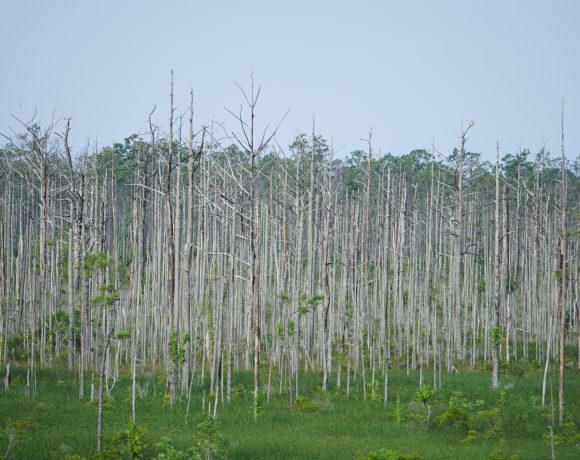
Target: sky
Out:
[413,71]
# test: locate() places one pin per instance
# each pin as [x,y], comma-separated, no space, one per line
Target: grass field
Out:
[480,424]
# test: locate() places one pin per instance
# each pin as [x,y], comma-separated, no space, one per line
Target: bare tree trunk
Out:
[561,276]
[495,350]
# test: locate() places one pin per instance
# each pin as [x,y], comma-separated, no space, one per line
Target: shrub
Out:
[166,451]
[457,412]
[239,392]
[425,394]
[209,443]
[303,404]
[462,413]
[127,444]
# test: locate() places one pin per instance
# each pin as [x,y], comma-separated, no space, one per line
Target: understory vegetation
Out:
[468,420]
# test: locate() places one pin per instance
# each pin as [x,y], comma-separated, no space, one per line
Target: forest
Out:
[229,268]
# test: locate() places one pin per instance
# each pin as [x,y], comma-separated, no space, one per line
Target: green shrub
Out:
[165,451]
[239,392]
[460,413]
[209,441]
[132,441]
[303,404]
[457,413]
[425,394]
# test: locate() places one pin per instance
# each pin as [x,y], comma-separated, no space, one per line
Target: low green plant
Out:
[129,444]
[166,451]
[209,441]
[490,420]
[373,390]
[239,392]
[425,394]
[499,454]
[457,413]
[568,435]
[133,441]
[324,400]
[303,404]
[461,413]
[390,454]
[352,430]
[399,411]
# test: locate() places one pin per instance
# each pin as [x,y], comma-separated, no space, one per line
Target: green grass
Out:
[54,422]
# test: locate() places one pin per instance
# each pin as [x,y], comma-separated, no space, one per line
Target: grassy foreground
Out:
[475,423]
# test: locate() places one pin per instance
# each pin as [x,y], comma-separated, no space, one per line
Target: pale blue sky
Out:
[411,70]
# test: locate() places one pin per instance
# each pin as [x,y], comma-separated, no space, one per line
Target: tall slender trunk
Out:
[495,350]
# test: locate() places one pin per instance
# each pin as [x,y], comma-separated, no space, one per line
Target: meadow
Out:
[467,420]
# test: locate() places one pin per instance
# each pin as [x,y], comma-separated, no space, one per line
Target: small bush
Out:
[166,451]
[425,394]
[460,413]
[209,441]
[133,442]
[457,413]
[239,393]
[303,404]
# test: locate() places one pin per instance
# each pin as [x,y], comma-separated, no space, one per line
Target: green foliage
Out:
[568,435]
[291,327]
[498,335]
[353,427]
[499,454]
[457,413]
[284,297]
[132,442]
[209,441]
[490,420]
[315,299]
[390,454]
[166,451]
[373,390]
[177,348]
[461,413]
[472,436]
[280,329]
[424,394]
[303,404]
[258,404]
[123,334]
[239,392]
[97,261]
[58,328]
[17,349]
[105,300]
[399,411]
[22,427]
[571,434]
